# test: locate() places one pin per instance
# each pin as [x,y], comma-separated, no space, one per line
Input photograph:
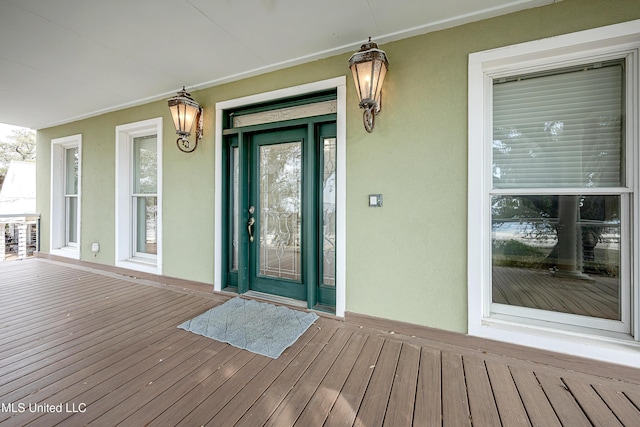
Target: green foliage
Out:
[512,253]
[20,145]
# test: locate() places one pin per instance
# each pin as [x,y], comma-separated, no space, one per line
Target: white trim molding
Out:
[124,244]
[615,41]
[338,83]
[58,226]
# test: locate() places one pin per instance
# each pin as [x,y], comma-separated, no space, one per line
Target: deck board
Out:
[428,407]
[75,336]
[274,374]
[510,406]
[624,409]
[482,404]
[566,407]
[299,396]
[403,392]
[177,411]
[346,408]
[594,407]
[455,403]
[374,404]
[260,411]
[535,401]
[317,410]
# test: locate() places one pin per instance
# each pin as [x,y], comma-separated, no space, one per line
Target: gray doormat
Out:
[259,327]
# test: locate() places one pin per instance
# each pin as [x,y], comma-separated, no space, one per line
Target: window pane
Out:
[561,129]
[329,213]
[71,208]
[557,252]
[145,169]
[146,217]
[71,170]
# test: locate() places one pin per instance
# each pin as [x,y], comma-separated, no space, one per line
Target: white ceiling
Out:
[63,60]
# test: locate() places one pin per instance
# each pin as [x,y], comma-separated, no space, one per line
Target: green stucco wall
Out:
[405,261]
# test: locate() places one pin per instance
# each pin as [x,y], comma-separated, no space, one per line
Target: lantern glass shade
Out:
[184,112]
[369,68]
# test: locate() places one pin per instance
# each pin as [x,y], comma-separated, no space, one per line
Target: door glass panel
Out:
[329,213]
[280,177]
[235,194]
[558,253]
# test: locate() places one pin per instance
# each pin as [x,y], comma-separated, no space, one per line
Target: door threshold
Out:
[276,299]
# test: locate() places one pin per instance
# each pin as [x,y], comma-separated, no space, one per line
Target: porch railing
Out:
[21,235]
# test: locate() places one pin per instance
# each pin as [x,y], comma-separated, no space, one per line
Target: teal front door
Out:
[277,244]
[280,202]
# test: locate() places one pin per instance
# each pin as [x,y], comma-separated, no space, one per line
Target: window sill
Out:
[67,251]
[620,349]
[140,264]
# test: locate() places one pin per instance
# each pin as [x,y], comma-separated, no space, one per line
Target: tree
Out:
[20,145]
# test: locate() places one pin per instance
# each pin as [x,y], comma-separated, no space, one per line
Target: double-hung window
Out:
[65,196]
[553,155]
[71,163]
[139,196]
[144,197]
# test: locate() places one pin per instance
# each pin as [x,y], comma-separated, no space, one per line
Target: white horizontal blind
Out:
[559,130]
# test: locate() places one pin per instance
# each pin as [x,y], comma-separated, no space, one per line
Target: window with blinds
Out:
[558,195]
[560,129]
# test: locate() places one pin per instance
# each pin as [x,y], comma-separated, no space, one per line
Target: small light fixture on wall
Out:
[185,112]
[369,66]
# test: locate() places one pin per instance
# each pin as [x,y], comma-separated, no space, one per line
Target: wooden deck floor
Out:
[95,348]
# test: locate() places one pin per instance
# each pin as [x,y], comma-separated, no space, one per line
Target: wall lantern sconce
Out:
[369,66]
[185,112]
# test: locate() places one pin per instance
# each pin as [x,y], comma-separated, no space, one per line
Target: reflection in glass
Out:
[71,195]
[145,153]
[71,171]
[280,190]
[329,213]
[235,194]
[557,252]
[147,216]
[71,211]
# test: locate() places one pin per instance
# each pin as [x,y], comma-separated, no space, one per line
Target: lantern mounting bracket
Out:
[369,118]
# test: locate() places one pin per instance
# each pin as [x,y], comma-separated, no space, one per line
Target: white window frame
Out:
[615,41]
[124,218]
[58,236]
[340,85]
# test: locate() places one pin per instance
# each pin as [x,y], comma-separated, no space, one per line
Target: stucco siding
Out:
[406,261]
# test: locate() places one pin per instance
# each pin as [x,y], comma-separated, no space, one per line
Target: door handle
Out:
[250,228]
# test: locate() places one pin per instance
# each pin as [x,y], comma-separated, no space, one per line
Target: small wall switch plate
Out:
[375,200]
[95,247]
